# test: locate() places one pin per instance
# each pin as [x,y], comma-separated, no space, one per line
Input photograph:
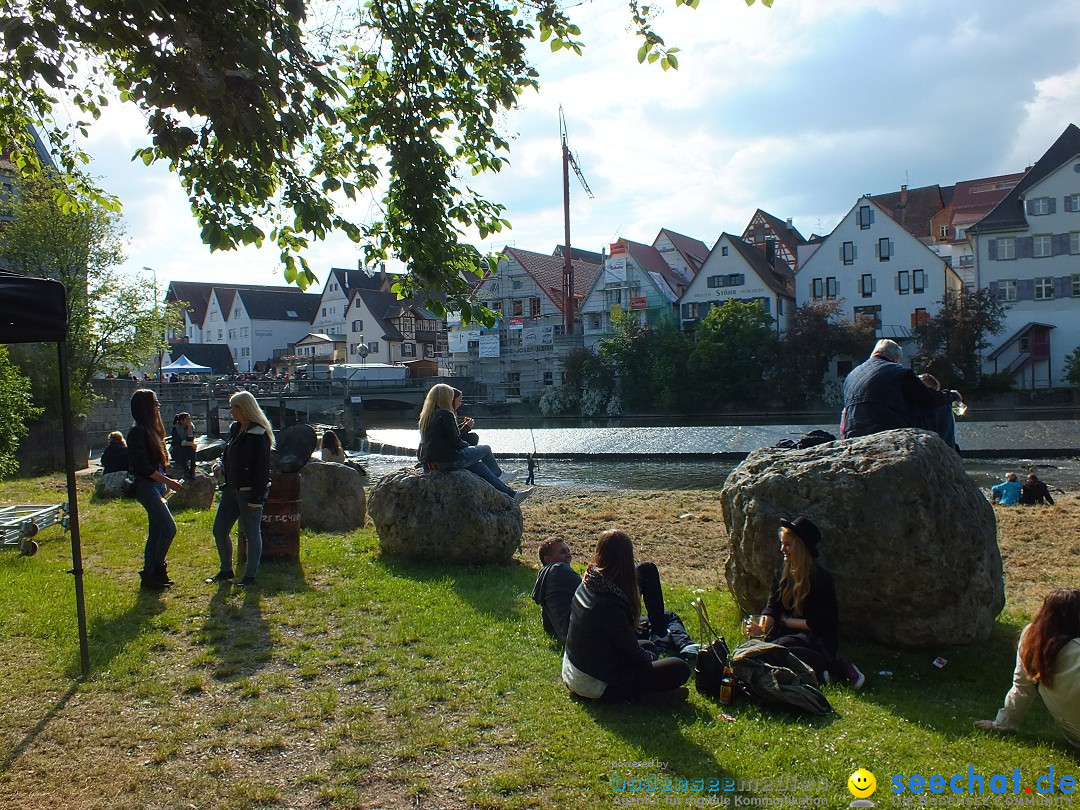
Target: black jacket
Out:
[554,591]
[442,443]
[114,458]
[143,460]
[247,461]
[819,610]
[602,641]
[881,395]
[1035,493]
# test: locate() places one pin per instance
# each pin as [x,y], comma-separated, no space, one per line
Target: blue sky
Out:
[797,109]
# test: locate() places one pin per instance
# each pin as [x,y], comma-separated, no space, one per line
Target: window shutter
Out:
[1052,205]
[1062,286]
[991,249]
[1059,243]
[1069,203]
[1028,207]
[871,216]
[877,250]
[993,287]
[1025,289]
[873,284]
[854,252]
[892,248]
[1025,247]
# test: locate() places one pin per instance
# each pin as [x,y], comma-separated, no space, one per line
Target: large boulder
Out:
[444,516]
[908,536]
[108,486]
[196,493]
[331,497]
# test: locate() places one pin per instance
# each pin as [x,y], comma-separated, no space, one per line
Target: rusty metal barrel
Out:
[280,521]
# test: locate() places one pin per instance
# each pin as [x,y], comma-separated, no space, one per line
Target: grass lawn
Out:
[356,681]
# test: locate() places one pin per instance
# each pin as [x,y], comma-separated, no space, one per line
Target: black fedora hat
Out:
[807,531]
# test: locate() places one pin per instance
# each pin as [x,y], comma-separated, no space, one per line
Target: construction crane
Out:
[568,160]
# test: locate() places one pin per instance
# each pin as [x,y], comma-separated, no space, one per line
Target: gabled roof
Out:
[786,233]
[279,305]
[779,277]
[693,251]
[1015,336]
[547,272]
[974,199]
[912,208]
[384,306]
[225,296]
[217,356]
[197,294]
[590,256]
[358,279]
[649,259]
[1009,213]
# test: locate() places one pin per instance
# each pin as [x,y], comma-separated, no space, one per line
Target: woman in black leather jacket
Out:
[603,658]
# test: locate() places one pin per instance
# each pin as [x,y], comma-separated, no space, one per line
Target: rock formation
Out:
[331,497]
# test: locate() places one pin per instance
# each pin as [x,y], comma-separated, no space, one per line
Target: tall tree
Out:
[116,321]
[16,407]
[626,350]
[952,341]
[734,354]
[274,120]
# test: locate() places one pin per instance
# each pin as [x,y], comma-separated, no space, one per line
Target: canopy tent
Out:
[34,310]
[181,365]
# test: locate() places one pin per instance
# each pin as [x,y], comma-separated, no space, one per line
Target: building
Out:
[382,328]
[519,357]
[197,294]
[683,254]
[1027,251]
[736,270]
[330,317]
[764,227]
[880,269]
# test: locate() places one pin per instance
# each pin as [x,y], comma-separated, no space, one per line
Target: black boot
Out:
[150,582]
[162,573]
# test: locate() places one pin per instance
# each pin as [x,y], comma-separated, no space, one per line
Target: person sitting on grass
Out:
[1047,664]
[603,659]
[801,613]
[1033,492]
[1007,493]
[114,458]
[557,582]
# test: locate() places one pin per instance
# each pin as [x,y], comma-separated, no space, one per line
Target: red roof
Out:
[547,271]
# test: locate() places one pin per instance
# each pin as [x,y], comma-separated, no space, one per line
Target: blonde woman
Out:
[442,448]
[801,613]
[246,465]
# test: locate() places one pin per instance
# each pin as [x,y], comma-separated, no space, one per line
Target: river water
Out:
[651,457]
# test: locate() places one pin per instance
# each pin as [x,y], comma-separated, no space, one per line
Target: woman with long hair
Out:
[114,458]
[246,465]
[147,459]
[442,448]
[1047,663]
[801,613]
[182,444]
[331,448]
[603,658]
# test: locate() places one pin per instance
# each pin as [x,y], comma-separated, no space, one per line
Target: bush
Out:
[996,383]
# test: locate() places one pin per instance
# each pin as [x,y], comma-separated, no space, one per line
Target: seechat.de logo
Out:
[862,785]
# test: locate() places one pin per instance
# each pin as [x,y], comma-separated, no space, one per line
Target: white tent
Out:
[181,365]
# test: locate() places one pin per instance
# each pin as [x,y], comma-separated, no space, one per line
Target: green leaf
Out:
[643,52]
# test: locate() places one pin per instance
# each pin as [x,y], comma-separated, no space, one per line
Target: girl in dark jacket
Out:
[801,613]
[246,465]
[146,460]
[114,458]
[603,658]
[182,444]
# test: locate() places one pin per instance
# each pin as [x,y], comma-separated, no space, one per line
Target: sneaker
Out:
[508,476]
[855,677]
[521,495]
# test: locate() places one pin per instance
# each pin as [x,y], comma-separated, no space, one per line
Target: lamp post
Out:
[160,347]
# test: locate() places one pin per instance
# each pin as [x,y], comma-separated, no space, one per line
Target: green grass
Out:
[351,680]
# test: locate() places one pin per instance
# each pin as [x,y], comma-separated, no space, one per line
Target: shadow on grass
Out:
[236,631]
[493,590]
[32,735]
[109,636]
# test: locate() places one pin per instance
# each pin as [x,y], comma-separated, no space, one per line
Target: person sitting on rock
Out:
[114,458]
[557,582]
[1033,492]
[331,448]
[940,419]
[602,658]
[802,613]
[465,424]
[881,394]
[1047,664]
[1007,493]
[442,448]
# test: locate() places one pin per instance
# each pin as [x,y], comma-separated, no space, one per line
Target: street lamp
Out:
[161,347]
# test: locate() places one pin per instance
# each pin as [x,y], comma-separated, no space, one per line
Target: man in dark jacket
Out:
[1034,492]
[881,394]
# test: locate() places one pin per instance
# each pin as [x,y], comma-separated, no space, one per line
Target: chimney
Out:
[770,252]
[789,225]
[903,195]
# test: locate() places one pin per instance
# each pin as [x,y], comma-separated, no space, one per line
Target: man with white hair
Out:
[882,394]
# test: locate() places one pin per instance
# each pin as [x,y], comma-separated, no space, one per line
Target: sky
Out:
[798,110]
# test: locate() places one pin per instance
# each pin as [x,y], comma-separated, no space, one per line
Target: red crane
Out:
[568,160]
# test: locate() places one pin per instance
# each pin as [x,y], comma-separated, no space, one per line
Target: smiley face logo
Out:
[862,783]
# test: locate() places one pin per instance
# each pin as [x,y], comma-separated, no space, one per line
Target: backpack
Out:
[813,438]
[773,677]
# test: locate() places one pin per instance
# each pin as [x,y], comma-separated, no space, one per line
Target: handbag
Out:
[127,486]
[712,657]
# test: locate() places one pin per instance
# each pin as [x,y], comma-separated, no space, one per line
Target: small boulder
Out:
[108,486]
[909,538]
[331,497]
[196,493]
[444,516]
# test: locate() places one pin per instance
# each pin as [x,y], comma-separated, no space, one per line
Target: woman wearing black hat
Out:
[801,613]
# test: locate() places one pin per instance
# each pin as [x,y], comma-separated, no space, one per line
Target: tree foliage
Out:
[734,354]
[16,407]
[280,117]
[951,342]
[1072,366]
[115,321]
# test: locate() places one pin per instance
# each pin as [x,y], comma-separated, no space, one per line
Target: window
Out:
[759,235]
[1076,285]
[866,285]
[244,332]
[831,287]
[920,317]
[1072,202]
[516,283]
[1025,343]
[517,308]
[549,378]
[245,351]
[943,231]
[358,326]
[219,334]
[235,353]
[232,334]
[1042,246]
[918,281]
[848,252]
[884,249]
[513,384]
[723,250]
[373,346]
[236,312]
[729,280]
[818,289]
[496,306]
[534,307]
[1044,288]
[1038,206]
[689,312]
[1006,248]
[1006,290]
[903,282]
[493,288]
[324,312]
[872,313]
[408,350]
[866,216]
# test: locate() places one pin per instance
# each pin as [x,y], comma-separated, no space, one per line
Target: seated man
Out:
[1007,493]
[1033,491]
[557,582]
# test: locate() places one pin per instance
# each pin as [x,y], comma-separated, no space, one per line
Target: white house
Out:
[264,320]
[882,272]
[330,316]
[1027,250]
[738,271]
[382,328]
[683,254]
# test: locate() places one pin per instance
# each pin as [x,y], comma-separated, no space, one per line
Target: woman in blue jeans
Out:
[147,458]
[247,481]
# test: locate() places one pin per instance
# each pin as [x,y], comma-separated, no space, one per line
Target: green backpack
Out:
[773,677]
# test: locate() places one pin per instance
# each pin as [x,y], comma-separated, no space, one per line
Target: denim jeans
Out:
[161,527]
[234,506]
[479,461]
